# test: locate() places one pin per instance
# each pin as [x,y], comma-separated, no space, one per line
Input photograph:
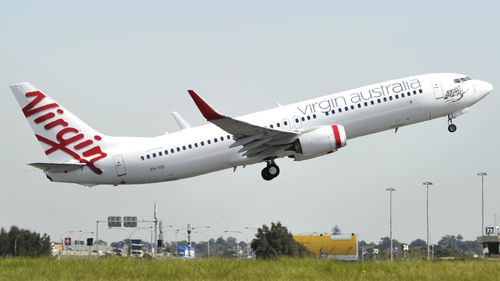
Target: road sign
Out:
[129,221]
[114,221]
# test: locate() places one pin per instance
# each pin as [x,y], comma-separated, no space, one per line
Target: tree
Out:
[336,230]
[418,244]
[22,242]
[275,242]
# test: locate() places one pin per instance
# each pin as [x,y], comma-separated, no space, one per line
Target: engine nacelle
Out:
[321,141]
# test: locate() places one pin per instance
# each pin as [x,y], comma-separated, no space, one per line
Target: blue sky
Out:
[123,66]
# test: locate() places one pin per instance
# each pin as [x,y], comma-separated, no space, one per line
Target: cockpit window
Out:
[462,79]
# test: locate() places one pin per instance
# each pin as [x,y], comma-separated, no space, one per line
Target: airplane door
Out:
[438,90]
[119,165]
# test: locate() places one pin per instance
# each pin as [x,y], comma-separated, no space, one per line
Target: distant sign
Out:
[129,221]
[406,248]
[114,221]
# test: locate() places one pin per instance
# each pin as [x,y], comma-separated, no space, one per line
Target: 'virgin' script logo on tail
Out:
[66,135]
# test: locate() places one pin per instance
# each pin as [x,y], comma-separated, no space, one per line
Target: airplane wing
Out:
[257,141]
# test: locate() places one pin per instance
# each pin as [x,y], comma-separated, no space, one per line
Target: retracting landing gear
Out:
[270,171]
[451,127]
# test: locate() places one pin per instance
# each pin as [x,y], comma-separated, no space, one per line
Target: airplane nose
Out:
[487,87]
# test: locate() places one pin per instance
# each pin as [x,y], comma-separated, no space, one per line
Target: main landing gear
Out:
[451,127]
[270,171]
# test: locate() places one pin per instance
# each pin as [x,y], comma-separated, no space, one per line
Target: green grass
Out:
[225,269]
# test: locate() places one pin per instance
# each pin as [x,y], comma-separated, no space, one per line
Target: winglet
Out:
[206,110]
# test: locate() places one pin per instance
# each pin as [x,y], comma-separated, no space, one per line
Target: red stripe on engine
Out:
[336,133]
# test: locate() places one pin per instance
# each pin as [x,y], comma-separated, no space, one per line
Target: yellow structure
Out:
[341,247]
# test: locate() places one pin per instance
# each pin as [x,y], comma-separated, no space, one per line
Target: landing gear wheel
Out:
[265,174]
[451,127]
[270,171]
[273,170]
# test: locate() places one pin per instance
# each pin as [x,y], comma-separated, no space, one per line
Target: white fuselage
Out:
[362,111]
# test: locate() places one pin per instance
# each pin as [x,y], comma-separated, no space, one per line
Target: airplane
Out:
[77,153]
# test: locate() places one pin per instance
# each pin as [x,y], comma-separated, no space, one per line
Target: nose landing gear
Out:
[451,127]
[270,171]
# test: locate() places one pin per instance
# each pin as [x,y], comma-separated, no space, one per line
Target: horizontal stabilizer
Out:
[58,167]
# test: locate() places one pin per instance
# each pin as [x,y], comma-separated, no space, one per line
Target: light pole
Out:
[208,242]
[190,229]
[427,184]
[390,189]
[240,232]
[482,174]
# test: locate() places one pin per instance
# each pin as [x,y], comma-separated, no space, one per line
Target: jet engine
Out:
[318,142]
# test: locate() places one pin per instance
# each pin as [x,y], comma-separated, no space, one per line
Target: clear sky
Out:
[123,66]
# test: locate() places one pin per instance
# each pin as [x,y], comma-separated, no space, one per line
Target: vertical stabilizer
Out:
[63,136]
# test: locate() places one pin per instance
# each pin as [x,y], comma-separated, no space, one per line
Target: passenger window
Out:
[359,105]
[202,143]
[159,153]
[366,104]
[221,138]
[271,126]
[397,97]
[195,144]
[314,116]
[308,117]
[215,139]
[278,125]
[372,102]
[378,100]
[346,108]
[178,149]
[403,95]
[303,119]
[385,99]
[414,92]
[183,147]
[296,120]
[190,146]
[172,150]
[286,123]
[142,158]
[154,155]
[147,156]
[457,80]
[333,111]
[209,142]
[340,110]
[326,113]
[390,97]
[352,106]
[166,152]
[420,90]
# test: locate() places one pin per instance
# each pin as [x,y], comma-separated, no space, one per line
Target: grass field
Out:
[225,269]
